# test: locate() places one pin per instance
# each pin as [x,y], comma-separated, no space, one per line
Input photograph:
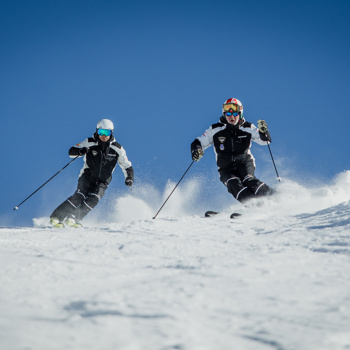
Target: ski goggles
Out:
[230,113]
[104,132]
[235,108]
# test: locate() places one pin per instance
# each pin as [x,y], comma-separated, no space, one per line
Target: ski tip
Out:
[210,213]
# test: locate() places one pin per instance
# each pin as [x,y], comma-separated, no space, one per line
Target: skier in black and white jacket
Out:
[101,154]
[231,139]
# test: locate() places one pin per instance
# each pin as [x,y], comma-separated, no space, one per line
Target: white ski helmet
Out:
[236,102]
[105,124]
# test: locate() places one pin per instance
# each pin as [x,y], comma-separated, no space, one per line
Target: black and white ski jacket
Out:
[231,142]
[102,158]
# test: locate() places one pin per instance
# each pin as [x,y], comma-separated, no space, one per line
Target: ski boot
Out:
[55,222]
[72,222]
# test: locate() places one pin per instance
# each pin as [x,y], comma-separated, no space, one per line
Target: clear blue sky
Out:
[161,71]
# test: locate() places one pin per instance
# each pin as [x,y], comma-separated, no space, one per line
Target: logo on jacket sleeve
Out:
[94,153]
[222,141]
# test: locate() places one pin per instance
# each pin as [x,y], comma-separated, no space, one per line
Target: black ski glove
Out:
[197,154]
[264,131]
[129,180]
[262,126]
[196,150]
[83,151]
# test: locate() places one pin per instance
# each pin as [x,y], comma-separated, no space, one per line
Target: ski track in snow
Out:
[275,278]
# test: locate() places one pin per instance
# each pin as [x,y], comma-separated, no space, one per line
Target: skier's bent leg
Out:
[62,211]
[68,206]
[241,192]
[257,187]
[90,201]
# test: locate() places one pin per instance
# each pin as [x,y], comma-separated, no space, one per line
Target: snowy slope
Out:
[275,278]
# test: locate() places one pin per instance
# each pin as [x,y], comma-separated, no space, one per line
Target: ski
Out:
[210,213]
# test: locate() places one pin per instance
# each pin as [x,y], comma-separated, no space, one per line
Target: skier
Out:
[231,138]
[101,154]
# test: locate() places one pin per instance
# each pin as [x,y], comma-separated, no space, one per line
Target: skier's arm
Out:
[124,162]
[79,149]
[206,140]
[201,143]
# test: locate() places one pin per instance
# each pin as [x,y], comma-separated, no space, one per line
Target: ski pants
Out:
[89,192]
[241,182]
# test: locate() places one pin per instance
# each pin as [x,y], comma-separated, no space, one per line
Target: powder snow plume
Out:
[196,195]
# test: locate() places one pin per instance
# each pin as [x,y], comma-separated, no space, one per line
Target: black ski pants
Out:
[241,182]
[89,192]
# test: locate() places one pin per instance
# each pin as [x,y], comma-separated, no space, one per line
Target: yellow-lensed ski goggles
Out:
[230,106]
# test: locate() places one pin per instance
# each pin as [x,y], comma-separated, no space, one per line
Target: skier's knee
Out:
[252,182]
[238,190]
[92,200]
[258,187]
[234,186]
[244,195]
[76,199]
[88,204]
[264,190]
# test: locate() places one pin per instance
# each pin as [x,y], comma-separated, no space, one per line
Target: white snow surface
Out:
[278,277]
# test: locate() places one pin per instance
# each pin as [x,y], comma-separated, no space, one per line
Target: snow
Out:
[275,278]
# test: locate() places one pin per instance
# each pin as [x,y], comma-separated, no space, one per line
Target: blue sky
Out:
[161,71]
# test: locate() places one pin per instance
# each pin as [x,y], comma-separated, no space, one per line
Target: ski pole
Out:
[278,178]
[173,189]
[16,207]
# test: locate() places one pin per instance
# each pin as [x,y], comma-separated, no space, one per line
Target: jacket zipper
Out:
[233,146]
[101,162]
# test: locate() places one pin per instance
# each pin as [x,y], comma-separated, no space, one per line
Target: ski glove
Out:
[129,181]
[83,151]
[197,153]
[262,126]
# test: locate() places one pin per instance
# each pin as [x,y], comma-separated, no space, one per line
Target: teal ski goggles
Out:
[104,132]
